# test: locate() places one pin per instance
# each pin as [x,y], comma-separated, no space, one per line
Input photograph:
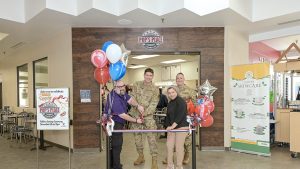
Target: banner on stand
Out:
[52,108]
[250,86]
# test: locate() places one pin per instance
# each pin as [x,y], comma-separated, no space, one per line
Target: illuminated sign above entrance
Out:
[150,39]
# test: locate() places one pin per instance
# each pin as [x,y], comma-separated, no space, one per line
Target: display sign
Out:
[150,39]
[85,96]
[52,108]
[250,131]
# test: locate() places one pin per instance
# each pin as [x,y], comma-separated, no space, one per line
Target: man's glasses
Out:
[120,86]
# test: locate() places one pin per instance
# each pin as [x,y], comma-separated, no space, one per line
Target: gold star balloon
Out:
[207,89]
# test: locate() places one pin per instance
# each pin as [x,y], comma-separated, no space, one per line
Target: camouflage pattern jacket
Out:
[147,96]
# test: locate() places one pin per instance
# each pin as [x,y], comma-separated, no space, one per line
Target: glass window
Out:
[22,85]
[40,75]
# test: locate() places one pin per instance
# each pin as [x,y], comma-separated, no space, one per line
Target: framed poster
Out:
[52,108]
[85,96]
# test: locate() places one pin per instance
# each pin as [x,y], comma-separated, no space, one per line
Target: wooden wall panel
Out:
[209,41]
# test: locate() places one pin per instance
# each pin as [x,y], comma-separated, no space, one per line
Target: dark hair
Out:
[149,70]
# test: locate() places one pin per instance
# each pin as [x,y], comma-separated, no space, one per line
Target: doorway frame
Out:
[198,130]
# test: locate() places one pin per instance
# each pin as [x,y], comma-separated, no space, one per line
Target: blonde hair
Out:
[175,88]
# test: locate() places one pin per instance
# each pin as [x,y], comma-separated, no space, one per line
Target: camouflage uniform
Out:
[187,93]
[148,97]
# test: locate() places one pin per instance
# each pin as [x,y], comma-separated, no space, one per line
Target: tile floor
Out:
[18,156]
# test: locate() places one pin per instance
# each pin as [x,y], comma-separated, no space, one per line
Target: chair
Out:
[6,122]
[30,122]
[159,117]
[23,129]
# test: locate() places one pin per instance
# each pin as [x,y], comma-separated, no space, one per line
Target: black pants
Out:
[116,144]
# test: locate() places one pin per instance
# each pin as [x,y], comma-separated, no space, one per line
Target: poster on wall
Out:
[85,96]
[52,108]
[250,86]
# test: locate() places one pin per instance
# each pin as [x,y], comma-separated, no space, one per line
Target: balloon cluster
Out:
[201,113]
[110,62]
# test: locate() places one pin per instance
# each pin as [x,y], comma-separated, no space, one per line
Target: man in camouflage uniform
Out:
[186,93]
[147,95]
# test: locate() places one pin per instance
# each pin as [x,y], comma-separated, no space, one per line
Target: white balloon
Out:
[113,53]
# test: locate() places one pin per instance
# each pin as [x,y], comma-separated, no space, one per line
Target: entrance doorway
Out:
[166,65]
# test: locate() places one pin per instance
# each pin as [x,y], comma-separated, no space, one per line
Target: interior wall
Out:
[208,41]
[236,52]
[258,50]
[59,53]
[189,69]
[138,74]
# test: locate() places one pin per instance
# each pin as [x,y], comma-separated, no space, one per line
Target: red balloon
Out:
[99,58]
[190,107]
[202,111]
[211,106]
[197,110]
[207,122]
[101,75]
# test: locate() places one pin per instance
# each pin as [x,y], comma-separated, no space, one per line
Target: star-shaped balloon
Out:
[125,54]
[207,89]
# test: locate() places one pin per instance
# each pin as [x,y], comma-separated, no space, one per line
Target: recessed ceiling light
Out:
[173,61]
[124,22]
[144,56]
[136,66]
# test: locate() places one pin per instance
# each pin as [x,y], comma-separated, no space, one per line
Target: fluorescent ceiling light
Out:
[144,56]
[173,61]
[293,57]
[3,35]
[137,66]
[282,61]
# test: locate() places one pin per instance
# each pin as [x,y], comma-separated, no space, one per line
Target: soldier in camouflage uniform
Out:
[147,95]
[186,93]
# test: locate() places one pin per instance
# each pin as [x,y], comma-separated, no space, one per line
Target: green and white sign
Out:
[250,86]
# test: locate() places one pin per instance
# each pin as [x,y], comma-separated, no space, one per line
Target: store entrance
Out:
[166,66]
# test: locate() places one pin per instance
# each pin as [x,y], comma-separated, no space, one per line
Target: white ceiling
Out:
[283,43]
[156,61]
[28,21]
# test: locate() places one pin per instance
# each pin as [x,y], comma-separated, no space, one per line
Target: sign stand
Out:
[100,114]
[69,146]
[37,148]
[52,114]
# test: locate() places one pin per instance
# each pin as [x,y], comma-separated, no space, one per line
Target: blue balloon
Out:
[117,70]
[200,101]
[106,44]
